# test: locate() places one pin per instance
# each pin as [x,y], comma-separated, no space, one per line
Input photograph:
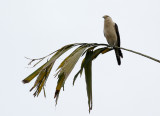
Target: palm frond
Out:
[66,67]
[88,77]
[44,71]
[33,75]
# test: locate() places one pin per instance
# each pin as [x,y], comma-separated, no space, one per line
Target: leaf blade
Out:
[32,76]
[58,54]
[88,77]
[66,67]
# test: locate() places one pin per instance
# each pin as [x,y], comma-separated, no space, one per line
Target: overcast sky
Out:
[35,28]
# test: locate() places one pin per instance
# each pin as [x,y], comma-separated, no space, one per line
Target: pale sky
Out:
[35,28]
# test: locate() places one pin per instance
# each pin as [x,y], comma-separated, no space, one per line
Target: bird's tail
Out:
[119,55]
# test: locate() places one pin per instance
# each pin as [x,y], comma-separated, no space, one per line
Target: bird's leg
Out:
[112,46]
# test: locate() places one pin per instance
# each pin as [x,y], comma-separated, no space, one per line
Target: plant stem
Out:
[140,54]
[96,44]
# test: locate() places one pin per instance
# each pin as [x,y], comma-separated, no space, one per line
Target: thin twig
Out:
[149,57]
[40,59]
[140,54]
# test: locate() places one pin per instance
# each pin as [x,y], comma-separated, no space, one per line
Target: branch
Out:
[40,59]
[149,57]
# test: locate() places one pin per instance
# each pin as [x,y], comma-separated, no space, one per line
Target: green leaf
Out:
[79,72]
[88,77]
[33,75]
[41,85]
[39,79]
[66,67]
[87,65]
[75,77]
[44,71]
[51,61]
[60,82]
[83,64]
[58,54]
[100,50]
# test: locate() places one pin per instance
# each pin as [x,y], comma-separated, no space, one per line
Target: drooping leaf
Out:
[100,50]
[66,67]
[41,79]
[87,65]
[84,62]
[38,81]
[75,77]
[52,60]
[60,82]
[88,77]
[73,53]
[44,71]
[79,72]
[58,54]
[33,75]
[106,50]
[41,85]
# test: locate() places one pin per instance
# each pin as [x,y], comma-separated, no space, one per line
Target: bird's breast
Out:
[110,35]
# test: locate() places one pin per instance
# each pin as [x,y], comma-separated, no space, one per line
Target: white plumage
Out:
[112,36]
[109,31]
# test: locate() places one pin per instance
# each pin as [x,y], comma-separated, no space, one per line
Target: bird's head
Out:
[105,16]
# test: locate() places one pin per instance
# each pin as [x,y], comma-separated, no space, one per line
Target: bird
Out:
[112,36]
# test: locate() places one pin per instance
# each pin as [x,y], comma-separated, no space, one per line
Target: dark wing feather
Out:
[118,36]
[118,40]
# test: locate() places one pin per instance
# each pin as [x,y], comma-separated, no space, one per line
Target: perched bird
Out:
[111,33]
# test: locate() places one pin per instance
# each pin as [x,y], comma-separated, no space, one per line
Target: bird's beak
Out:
[103,17]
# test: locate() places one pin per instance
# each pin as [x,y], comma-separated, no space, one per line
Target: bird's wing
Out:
[118,36]
[118,40]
